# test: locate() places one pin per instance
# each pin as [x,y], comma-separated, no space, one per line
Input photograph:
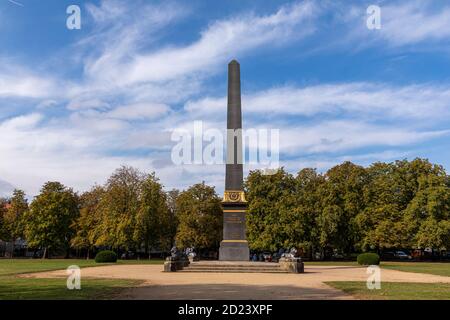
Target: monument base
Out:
[234,250]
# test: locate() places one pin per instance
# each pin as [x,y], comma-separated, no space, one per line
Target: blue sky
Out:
[76,104]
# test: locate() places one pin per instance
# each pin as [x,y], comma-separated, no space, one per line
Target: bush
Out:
[106,256]
[367,259]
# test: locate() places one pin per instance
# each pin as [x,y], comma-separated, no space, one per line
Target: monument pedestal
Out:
[231,250]
[234,246]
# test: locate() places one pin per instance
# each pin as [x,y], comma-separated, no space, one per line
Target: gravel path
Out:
[309,285]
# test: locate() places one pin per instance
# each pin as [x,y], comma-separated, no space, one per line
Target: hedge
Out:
[367,259]
[106,256]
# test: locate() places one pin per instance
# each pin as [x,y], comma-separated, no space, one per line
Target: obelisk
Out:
[234,246]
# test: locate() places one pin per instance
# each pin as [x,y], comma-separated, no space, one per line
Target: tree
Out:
[384,201]
[303,228]
[172,197]
[428,215]
[13,217]
[87,225]
[271,200]
[434,234]
[48,223]
[3,231]
[342,201]
[119,206]
[153,216]
[200,217]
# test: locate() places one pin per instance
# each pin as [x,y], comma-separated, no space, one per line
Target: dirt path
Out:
[310,285]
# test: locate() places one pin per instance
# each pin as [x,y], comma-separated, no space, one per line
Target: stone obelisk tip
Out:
[233,172]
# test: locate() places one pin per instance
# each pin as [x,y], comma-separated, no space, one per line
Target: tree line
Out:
[404,204]
[130,212]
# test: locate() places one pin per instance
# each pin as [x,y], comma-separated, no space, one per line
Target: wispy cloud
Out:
[17,3]
[422,101]
[403,24]
[18,82]
[415,22]
[221,41]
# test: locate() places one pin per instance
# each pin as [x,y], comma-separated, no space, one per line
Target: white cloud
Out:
[121,31]
[221,41]
[140,111]
[403,24]
[414,22]
[341,135]
[18,83]
[424,101]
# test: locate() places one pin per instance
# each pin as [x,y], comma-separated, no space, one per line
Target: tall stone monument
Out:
[234,245]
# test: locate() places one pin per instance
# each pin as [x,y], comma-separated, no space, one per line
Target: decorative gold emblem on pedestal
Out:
[234,196]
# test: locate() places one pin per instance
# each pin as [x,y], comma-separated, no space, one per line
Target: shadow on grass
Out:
[232,292]
[14,288]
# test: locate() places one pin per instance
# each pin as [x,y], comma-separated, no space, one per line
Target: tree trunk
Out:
[12,248]
[87,255]
[44,256]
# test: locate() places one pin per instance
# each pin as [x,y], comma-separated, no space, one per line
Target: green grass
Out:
[395,290]
[18,266]
[436,268]
[13,288]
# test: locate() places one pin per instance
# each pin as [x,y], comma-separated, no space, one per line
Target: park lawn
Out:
[395,290]
[13,288]
[19,266]
[436,268]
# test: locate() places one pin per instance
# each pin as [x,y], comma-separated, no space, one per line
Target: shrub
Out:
[106,256]
[369,258]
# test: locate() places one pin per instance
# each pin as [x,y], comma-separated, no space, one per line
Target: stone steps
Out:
[236,267]
[232,271]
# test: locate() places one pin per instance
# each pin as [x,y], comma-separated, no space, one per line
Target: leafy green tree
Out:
[384,201]
[48,223]
[200,217]
[434,234]
[341,202]
[303,228]
[428,214]
[271,199]
[13,217]
[153,216]
[172,197]
[120,205]
[88,225]
[398,198]
[3,231]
